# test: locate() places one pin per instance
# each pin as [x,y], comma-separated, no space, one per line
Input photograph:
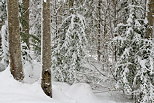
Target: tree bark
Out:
[150,32]
[0,37]
[115,22]
[71,4]
[99,33]
[26,19]
[14,40]
[46,50]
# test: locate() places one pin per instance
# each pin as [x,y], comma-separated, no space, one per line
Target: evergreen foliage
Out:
[5,45]
[134,69]
[69,49]
[4,34]
[35,27]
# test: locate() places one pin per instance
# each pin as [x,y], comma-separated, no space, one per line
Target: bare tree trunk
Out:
[26,19]
[153,29]
[1,23]
[150,32]
[71,4]
[99,32]
[115,24]
[0,37]
[14,40]
[46,50]
[152,11]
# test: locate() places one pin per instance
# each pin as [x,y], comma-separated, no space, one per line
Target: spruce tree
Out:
[5,45]
[68,51]
[134,69]
[4,55]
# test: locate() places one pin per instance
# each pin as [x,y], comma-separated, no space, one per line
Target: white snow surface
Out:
[12,91]
[30,91]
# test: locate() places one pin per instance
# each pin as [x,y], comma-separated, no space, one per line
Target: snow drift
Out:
[12,91]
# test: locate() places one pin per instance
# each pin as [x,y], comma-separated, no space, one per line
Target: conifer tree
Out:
[4,46]
[69,49]
[35,27]
[134,70]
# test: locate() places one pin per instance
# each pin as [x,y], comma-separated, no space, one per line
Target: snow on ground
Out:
[32,71]
[12,91]
[115,96]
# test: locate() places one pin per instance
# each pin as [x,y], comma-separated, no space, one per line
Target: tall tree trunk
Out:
[26,19]
[152,12]
[153,29]
[14,40]
[150,32]
[114,2]
[46,50]
[0,38]
[99,32]
[71,4]
[1,23]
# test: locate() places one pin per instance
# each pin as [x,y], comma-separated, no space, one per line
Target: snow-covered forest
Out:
[76,51]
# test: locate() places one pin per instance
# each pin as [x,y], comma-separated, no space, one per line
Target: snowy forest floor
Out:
[12,91]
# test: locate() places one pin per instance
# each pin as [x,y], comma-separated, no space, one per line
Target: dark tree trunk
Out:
[150,31]
[14,40]
[46,50]
[99,33]
[26,19]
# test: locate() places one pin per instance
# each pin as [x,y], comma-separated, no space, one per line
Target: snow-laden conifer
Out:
[69,49]
[134,69]
[5,45]
[4,55]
